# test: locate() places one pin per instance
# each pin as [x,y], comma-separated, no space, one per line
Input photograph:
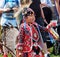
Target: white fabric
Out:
[2,3]
[6,20]
[48,2]
[11,35]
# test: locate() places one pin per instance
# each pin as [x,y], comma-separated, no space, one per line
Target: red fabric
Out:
[27,34]
[5,55]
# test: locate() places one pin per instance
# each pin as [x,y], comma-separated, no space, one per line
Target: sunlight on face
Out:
[31,18]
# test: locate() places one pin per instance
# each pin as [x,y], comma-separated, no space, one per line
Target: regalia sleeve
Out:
[20,38]
[42,28]
[21,35]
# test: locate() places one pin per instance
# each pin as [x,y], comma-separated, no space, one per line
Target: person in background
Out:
[36,7]
[8,8]
[47,9]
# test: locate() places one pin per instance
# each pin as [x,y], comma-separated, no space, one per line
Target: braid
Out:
[59,2]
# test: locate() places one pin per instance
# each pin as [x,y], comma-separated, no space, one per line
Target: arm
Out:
[46,4]
[18,10]
[20,42]
[42,28]
[57,7]
[42,13]
[54,23]
[43,3]
[4,10]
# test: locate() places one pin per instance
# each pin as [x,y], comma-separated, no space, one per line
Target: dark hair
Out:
[27,11]
[36,1]
[59,2]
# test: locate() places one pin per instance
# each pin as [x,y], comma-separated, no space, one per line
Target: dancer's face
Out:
[31,17]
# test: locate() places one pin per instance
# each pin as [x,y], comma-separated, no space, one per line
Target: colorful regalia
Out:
[29,41]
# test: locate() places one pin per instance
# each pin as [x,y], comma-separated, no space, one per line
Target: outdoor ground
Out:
[2,56]
[52,55]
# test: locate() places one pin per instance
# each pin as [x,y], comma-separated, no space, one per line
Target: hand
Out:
[49,26]
[52,24]
[6,10]
[15,9]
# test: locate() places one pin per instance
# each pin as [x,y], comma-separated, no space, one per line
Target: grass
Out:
[8,55]
[51,55]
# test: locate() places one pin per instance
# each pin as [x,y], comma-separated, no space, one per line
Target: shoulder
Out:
[35,24]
